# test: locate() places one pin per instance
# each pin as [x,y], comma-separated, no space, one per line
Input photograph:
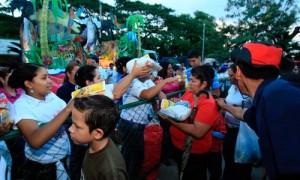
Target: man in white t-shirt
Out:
[102,71]
[111,74]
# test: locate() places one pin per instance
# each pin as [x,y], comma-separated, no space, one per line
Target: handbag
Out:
[246,147]
[153,135]
[188,141]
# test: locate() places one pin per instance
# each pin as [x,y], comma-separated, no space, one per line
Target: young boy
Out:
[94,118]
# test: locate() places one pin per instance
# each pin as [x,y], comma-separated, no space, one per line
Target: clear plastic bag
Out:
[246,147]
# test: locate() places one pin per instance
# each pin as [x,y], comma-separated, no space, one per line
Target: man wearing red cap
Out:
[274,111]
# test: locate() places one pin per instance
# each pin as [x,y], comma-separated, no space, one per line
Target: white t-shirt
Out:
[108,91]
[235,97]
[102,72]
[111,76]
[43,111]
[138,114]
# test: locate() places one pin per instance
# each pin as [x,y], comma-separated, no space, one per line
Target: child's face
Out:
[79,131]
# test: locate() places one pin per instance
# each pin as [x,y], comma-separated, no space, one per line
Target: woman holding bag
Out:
[200,129]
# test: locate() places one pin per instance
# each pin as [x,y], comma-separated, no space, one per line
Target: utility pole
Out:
[203,42]
[100,17]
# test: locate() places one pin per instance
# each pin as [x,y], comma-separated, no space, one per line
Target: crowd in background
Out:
[197,146]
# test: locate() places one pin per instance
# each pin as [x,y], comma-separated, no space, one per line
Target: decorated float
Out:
[52,37]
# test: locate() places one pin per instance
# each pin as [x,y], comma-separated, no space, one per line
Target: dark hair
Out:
[263,72]
[286,70]
[4,71]
[85,73]
[233,67]
[25,72]
[101,112]
[69,69]
[193,53]
[286,66]
[204,73]
[164,72]
[121,62]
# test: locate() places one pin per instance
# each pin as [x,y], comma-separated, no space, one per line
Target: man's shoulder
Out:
[282,86]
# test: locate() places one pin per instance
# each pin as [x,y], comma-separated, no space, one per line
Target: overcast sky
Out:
[211,7]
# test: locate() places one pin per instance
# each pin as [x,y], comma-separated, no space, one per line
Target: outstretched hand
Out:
[5,127]
[166,118]
[170,80]
[221,103]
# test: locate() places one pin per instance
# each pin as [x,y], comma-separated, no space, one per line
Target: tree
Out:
[172,35]
[264,20]
[166,33]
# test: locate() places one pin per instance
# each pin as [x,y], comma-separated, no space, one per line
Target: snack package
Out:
[3,100]
[166,103]
[98,88]
[179,111]
[4,116]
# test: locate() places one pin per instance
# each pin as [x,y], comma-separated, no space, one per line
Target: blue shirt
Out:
[274,115]
[64,92]
[215,83]
[188,73]
[119,76]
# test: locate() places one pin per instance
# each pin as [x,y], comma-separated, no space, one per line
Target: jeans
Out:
[132,135]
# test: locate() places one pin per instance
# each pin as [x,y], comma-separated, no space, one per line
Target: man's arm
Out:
[237,112]
[121,87]
[153,91]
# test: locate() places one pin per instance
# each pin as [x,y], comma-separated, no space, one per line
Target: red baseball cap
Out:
[258,54]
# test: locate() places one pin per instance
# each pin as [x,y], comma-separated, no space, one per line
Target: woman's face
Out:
[196,85]
[232,78]
[97,77]
[71,74]
[7,77]
[296,69]
[41,84]
[170,71]
[5,80]
[179,72]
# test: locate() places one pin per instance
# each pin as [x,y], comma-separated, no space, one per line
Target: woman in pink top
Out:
[16,144]
[167,72]
[167,146]
[12,94]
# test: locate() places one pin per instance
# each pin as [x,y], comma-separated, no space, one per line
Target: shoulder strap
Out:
[194,111]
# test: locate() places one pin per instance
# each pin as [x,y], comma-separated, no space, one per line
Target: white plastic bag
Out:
[246,147]
[154,66]
[179,111]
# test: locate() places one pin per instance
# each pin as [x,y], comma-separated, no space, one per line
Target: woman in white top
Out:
[234,170]
[46,146]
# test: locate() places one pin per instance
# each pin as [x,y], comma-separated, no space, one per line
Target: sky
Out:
[211,7]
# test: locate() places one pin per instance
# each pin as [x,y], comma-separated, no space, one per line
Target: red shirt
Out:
[219,126]
[207,113]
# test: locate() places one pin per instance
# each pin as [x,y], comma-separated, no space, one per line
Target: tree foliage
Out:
[273,21]
[173,35]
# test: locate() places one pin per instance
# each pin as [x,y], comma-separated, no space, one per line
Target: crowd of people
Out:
[264,93]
